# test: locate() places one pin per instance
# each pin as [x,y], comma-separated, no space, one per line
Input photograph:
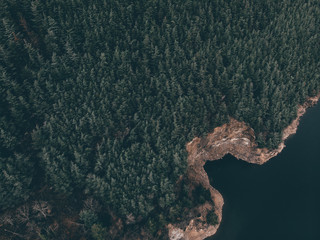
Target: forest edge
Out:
[235,138]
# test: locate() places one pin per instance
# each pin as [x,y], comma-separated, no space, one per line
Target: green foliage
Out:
[89,218]
[98,232]
[201,195]
[99,98]
[15,181]
[152,226]
[212,218]
[42,237]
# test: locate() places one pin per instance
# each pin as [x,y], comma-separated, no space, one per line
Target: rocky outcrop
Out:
[234,138]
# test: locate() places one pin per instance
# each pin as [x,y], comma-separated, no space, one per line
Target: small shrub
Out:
[98,232]
[201,195]
[88,217]
[212,218]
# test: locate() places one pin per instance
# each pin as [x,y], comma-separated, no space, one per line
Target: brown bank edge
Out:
[237,139]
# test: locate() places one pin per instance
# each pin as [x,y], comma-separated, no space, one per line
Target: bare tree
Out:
[130,219]
[91,204]
[23,213]
[6,219]
[42,208]
[54,227]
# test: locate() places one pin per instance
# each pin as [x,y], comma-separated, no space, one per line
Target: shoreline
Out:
[235,138]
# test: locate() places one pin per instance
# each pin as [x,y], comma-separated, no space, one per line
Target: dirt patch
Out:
[237,139]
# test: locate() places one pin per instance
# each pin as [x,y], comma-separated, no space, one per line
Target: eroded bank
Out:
[237,139]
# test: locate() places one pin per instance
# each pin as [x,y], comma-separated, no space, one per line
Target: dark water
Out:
[279,200]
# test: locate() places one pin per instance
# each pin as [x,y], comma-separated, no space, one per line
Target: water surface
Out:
[279,200]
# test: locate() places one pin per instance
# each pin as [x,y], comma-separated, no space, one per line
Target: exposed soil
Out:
[237,139]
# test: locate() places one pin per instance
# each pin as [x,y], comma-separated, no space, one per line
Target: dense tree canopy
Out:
[100,97]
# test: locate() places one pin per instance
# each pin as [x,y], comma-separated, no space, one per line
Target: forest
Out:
[99,98]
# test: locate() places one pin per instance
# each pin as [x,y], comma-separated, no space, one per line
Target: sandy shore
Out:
[237,139]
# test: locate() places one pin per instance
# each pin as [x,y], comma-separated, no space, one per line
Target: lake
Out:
[279,200]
